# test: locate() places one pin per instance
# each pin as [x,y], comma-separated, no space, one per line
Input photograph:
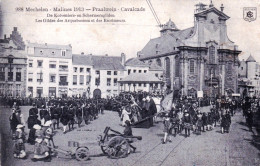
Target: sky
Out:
[128,37]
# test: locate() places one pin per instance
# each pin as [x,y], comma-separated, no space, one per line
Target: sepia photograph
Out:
[129,83]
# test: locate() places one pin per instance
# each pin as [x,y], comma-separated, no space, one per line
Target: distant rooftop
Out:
[99,62]
[136,62]
[140,78]
[250,59]
[53,46]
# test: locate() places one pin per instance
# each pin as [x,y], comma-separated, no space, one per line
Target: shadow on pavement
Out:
[244,129]
[255,141]
[242,123]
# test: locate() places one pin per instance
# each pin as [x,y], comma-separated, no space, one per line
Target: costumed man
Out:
[199,122]
[151,107]
[64,118]
[71,116]
[86,113]
[14,121]
[79,114]
[187,123]
[19,148]
[167,127]
[32,121]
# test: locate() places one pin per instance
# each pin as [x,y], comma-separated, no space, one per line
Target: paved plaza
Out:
[210,148]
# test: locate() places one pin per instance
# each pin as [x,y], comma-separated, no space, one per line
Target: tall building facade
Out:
[13,70]
[249,77]
[13,65]
[49,70]
[200,58]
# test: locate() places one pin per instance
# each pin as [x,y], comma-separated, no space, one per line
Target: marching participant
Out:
[187,123]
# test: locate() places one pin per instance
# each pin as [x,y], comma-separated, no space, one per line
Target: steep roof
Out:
[107,62]
[82,59]
[250,59]
[140,78]
[135,62]
[53,46]
[98,62]
[166,43]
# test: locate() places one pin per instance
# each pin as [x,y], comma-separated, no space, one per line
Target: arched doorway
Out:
[97,94]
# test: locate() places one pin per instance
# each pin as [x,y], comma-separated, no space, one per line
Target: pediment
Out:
[216,11]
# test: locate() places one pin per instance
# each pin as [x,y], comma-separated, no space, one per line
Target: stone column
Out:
[185,75]
[223,80]
[201,74]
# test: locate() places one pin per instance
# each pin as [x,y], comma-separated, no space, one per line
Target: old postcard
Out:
[129,82]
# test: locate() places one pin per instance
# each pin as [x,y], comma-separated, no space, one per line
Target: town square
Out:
[182,90]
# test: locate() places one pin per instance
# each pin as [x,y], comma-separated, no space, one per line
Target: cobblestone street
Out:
[210,148]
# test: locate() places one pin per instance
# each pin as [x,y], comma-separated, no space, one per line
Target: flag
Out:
[167,102]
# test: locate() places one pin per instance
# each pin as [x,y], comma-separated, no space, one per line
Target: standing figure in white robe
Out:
[125,115]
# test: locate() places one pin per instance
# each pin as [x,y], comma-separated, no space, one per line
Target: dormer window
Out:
[63,53]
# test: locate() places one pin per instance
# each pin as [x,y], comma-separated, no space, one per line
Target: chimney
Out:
[15,28]
[106,54]
[5,36]
[222,7]
[82,53]
[45,44]
[123,58]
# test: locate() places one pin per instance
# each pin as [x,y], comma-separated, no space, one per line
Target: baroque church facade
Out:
[200,58]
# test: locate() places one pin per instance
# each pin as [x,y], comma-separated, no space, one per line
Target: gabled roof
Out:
[213,9]
[136,63]
[53,46]
[140,78]
[250,59]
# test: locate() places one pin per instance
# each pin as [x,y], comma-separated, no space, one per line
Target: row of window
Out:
[135,71]
[81,80]
[81,70]
[10,76]
[52,66]
[155,85]
[109,81]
